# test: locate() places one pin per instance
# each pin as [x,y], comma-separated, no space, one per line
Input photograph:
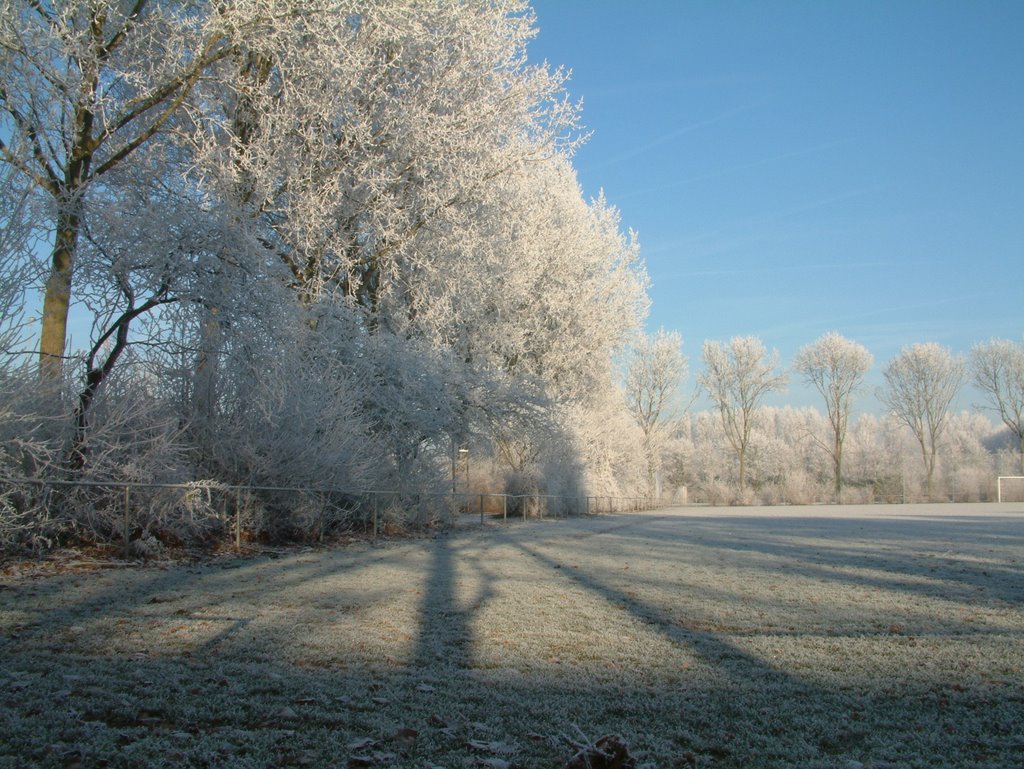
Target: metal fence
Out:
[121,509]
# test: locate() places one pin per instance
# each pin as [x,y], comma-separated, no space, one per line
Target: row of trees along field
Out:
[325,243]
[311,242]
[743,451]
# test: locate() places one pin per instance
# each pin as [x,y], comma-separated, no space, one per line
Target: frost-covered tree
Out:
[150,245]
[610,445]
[655,370]
[357,129]
[920,384]
[872,453]
[835,366]
[737,377]
[86,85]
[396,157]
[786,468]
[549,290]
[997,369]
[540,283]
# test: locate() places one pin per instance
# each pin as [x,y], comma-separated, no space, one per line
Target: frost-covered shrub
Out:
[771,494]
[716,492]
[856,495]
[523,489]
[128,436]
[745,497]
[34,433]
[800,488]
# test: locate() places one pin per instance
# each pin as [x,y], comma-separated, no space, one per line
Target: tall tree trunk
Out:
[837,461]
[204,396]
[57,298]
[930,465]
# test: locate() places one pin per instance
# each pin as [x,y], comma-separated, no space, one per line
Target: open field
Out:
[783,637]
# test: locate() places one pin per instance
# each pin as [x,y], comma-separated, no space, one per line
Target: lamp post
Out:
[464,457]
[458,455]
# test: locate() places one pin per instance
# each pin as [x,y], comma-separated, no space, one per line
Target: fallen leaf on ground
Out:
[609,752]
[363,743]
[371,759]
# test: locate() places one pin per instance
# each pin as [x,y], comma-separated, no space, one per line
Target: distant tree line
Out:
[744,452]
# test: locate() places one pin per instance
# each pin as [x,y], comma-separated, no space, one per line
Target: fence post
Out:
[127,532]
[481,509]
[504,507]
[238,519]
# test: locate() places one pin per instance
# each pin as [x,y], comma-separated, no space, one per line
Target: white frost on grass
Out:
[807,637]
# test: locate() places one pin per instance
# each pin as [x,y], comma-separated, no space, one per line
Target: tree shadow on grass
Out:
[715,650]
[224,706]
[80,596]
[944,558]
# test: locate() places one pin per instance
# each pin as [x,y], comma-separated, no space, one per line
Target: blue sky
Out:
[799,167]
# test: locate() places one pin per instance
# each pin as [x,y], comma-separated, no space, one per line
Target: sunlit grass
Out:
[830,638]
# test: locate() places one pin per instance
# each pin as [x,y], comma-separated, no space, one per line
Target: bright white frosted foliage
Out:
[541,288]
[737,376]
[835,366]
[405,159]
[357,125]
[784,466]
[997,369]
[538,283]
[920,384]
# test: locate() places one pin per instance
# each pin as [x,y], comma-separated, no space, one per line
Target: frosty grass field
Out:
[802,637]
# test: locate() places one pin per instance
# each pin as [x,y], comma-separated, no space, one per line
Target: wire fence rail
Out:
[129,509]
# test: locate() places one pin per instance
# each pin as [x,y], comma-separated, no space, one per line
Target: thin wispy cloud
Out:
[731,170]
[741,231]
[671,87]
[671,136]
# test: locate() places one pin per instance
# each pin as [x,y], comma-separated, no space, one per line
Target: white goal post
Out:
[1010,488]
